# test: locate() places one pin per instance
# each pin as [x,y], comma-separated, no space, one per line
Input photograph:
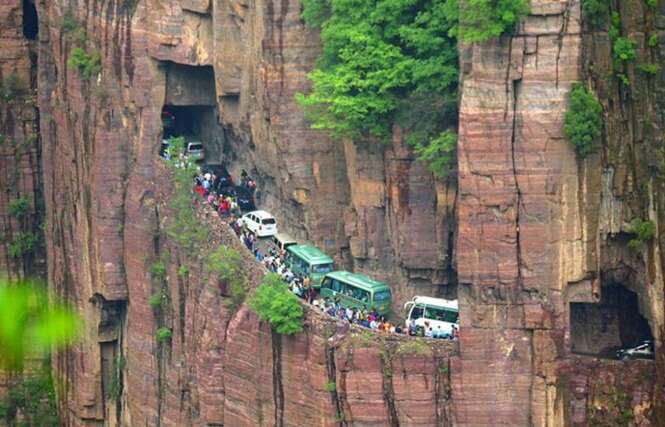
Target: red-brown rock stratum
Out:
[531,238]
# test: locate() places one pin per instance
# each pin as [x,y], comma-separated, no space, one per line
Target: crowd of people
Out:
[207,185]
[219,192]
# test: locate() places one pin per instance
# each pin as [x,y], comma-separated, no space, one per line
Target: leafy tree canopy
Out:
[583,120]
[274,303]
[394,62]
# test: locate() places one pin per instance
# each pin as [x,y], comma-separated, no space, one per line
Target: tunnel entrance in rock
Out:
[190,107]
[196,123]
[30,21]
[614,322]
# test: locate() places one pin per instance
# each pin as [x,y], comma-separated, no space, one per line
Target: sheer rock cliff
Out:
[531,238]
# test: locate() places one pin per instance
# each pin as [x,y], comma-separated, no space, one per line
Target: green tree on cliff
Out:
[583,121]
[275,304]
[394,62]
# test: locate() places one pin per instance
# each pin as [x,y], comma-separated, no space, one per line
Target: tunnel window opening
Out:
[184,120]
[191,111]
[30,21]
[614,323]
[197,124]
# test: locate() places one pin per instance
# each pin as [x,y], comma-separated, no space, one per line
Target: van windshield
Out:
[268,221]
[382,295]
[322,268]
[196,147]
[441,314]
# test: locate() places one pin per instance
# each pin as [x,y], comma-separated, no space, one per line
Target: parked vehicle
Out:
[308,261]
[282,241]
[356,291]
[194,151]
[244,197]
[643,351]
[261,223]
[439,314]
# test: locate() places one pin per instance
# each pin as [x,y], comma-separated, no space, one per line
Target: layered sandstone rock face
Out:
[105,195]
[527,234]
[20,178]
[537,226]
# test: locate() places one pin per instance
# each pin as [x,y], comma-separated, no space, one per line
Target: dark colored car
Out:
[245,198]
[643,351]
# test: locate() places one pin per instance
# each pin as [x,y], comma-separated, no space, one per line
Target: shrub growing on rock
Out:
[275,304]
[87,64]
[30,401]
[595,11]
[19,207]
[226,263]
[482,20]
[583,120]
[644,231]
[158,270]
[22,244]
[624,49]
[163,334]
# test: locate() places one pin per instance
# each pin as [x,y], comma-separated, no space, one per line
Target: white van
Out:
[283,241]
[428,312]
[261,223]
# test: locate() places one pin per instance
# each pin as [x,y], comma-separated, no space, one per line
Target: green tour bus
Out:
[308,260]
[357,291]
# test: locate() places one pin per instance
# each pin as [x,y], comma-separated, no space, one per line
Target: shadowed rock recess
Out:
[532,239]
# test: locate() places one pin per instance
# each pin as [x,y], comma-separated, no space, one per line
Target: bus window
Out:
[381,296]
[441,315]
[416,313]
[322,268]
[336,286]
[360,295]
[326,283]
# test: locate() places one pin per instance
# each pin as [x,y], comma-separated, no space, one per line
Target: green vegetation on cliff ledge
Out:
[583,121]
[481,20]
[274,303]
[19,207]
[163,334]
[184,227]
[394,62]
[595,11]
[30,401]
[22,243]
[87,64]
[226,263]
[644,231]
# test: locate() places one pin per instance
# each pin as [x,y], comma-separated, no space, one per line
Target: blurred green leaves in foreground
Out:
[30,324]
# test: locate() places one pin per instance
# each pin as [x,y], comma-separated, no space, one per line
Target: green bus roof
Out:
[358,280]
[310,254]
